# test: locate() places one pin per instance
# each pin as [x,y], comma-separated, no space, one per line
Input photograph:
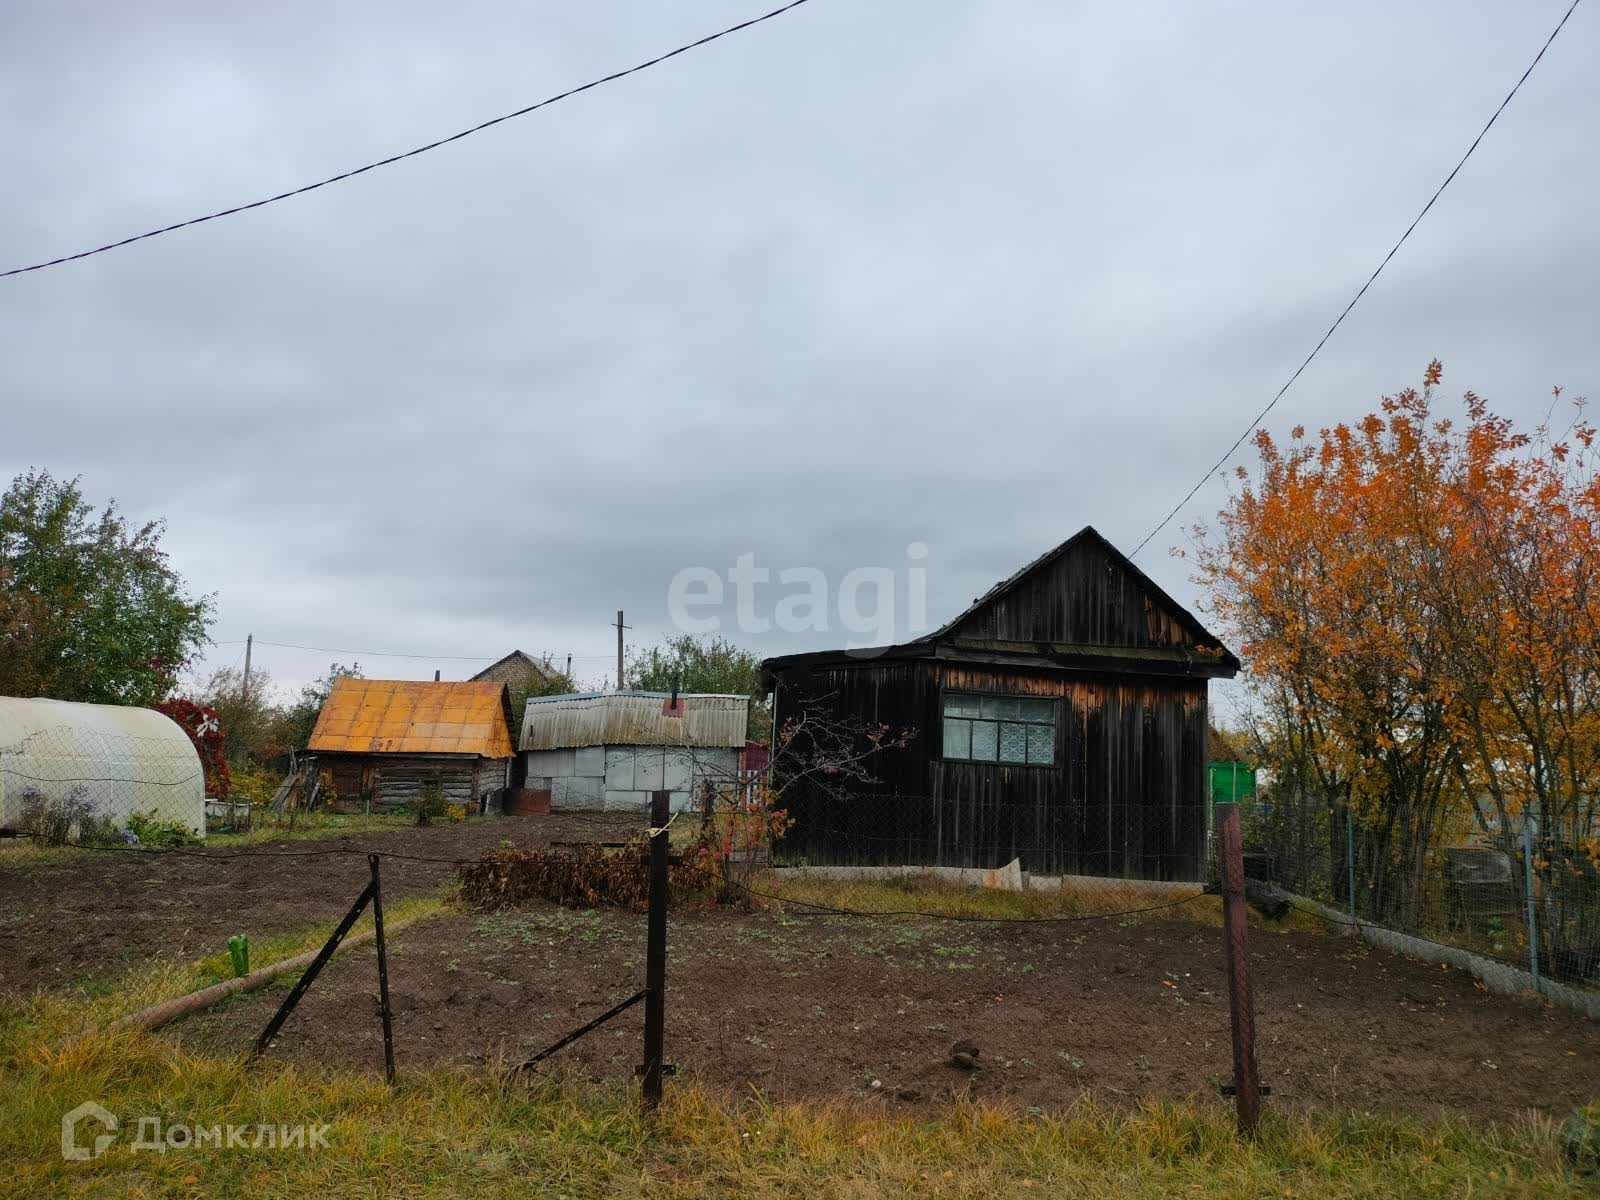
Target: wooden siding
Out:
[391,781]
[1084,596]
[1124,797]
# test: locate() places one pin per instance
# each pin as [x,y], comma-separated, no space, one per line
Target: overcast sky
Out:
[874,273]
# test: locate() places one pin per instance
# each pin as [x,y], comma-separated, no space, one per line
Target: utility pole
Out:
[620,628]
[569,666]
[249,644]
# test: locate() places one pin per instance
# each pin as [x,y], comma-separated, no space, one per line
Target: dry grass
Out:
[443,1134]
[1110,899]
[447,1133]
[25,852]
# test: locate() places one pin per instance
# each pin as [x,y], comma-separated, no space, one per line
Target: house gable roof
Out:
[1081,605]
[1087,541]
[515,658]
[405,716]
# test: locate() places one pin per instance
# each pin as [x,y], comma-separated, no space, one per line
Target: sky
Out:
[890,294]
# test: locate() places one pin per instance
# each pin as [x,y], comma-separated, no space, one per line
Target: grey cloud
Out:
[967,274]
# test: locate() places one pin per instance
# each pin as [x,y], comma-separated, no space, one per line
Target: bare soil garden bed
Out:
[101,912]
[817,1008]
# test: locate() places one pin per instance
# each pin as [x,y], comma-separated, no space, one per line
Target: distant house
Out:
[381,739]
[1061,719]
[520,672]
[610,750]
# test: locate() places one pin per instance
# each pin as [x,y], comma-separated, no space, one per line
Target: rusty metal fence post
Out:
[655,965]
[1246,1080]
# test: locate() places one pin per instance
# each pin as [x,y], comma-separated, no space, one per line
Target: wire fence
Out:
[87,785]
[871,903]
[1510,893]
[861,900]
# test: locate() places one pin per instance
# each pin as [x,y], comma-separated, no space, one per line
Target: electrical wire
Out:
[1339,320]
[402,654]
[414,151]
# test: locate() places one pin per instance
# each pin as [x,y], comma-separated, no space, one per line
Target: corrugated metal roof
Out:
[633,719]
[404,716]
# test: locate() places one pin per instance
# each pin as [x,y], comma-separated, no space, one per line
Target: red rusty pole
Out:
[1246,1080]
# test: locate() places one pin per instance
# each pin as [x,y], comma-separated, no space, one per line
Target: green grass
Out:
[309,826]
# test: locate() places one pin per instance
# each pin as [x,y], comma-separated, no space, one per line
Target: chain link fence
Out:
[1515,895]
[74,784]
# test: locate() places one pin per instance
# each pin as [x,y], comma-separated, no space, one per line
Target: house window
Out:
[1002,729]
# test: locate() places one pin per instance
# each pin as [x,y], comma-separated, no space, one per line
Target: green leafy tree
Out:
[554,683]
[254,729]
[90,609]
[703,664]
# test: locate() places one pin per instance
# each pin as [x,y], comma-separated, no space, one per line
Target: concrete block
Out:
[619,769]
[577,792]
[676,771]
[649,769]
[589,761]
[548,762]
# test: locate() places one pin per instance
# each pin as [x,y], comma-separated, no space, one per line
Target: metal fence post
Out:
[1350,856]
[303,984]
[1246,1080]
[383,972]
[655,963]
[1533,920]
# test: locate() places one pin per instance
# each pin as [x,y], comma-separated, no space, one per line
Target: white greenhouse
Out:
[97,762]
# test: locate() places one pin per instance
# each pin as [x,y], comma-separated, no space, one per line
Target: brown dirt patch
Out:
[105,911]
[808,1008]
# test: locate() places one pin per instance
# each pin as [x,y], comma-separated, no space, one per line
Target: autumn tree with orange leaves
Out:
[1418,603]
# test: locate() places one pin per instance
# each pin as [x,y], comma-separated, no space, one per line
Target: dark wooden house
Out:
[1060,720]
[378,741]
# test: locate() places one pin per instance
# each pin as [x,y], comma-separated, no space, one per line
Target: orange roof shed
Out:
[403,716]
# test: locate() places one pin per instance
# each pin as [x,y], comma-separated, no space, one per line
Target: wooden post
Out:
[1246,1081]
[655,960]
[383,973]
[620,628]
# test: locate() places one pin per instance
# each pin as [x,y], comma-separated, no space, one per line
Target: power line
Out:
[376,653]
[412,153]
[395,653]
[1315,350]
